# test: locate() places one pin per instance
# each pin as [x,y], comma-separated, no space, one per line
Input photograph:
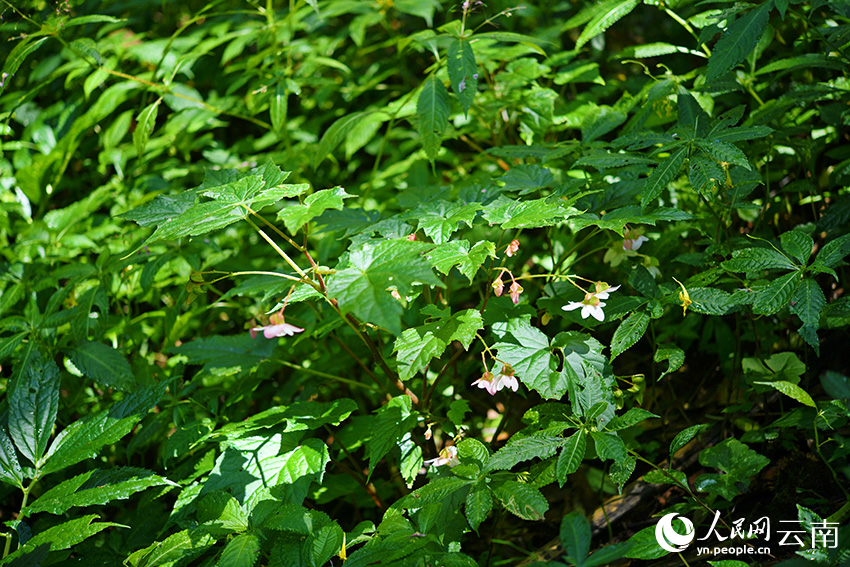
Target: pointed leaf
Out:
[808,302]
[463,72]
[296,216]
[523,450]
[144,126]
[241,551]
[62,536]
[629,332]
[33,405]
[522,500]
[575,535]
[798,244]
[479,502]
[663,174]
[738,41]
[10,468]
[756,259]
[605,18]
[790,390]
[432,109]
[458,253]
[775,296]
[833,251]
[334,135]
[104,365]
[572,454]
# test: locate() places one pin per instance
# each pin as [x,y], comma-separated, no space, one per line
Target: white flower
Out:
[493,384]
[633,239]
[603,289]
[590,306]
[448,456]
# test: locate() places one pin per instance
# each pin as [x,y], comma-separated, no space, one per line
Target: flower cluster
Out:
[499,287]
[592,304]
[495,383]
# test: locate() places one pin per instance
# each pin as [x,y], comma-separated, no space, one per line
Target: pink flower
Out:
[512,248]
[515,290]
[495,383]
[590,306]
[498,285]
[633,239]
[278,328]
[411,236]
[448,456]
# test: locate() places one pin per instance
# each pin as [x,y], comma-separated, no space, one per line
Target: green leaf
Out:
[278,108]
[704,174]
[221,355]
[296,216]
[93,18]
[183,545]
[791,390]
[440,219]
[629,332]
[663,174]
[530,213]
[736,460]
[334,135]
[666,476]
[737,41]
[776,295]
[221,510]
[363,288]
[523,450]
[756,259]
[644,545]
[33,405]
[241,551]
[807,303]
[683,437]
[458,253]
[711,301]
[833,252]
[435,492]
[83,439]
[798,244]
[393,421]
[479,502]
[62,536]
[575,536]
[609,445]
[145,122]
[432,109]
[95,487]
[10,468]
[675,357]
[617,219]
[521,500]
[572,454]
[324,543]
[463,72]
[416,347]
[104,365]
[741,133]
[531,358]
[630,418]
[724,152]
[608,554]
[606,16]
[19,53]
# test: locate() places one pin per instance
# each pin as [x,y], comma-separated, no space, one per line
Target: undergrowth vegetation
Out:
[421,283]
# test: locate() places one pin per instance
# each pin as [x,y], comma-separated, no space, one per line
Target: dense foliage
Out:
[409,282]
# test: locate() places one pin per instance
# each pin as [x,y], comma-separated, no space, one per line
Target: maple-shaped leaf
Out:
[364,286]
[531,213]
[440,219]
[416,347]
[458,253]
[297,216]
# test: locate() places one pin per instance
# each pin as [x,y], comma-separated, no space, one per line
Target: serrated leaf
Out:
[663,174]
[522,500]
[756,259]
[704,174]
[362,288]
[104,365]
[145,122]
[798,244]
[416,347]
[736,460]
[324,543]
[724,152]
[33,405]
[241,551]
[675,357]
[617,219]
[531,358]
[479,502]
[741,133]
[575,536]
[529,213]
[95,487]
[775,296]
[666,476]
[296,216]
[525,449]
[83,439]
[440,219]
[630,418]
[183,545]
[62,536]
[432,109]
[572,454]
[790,390]
[463,72]
[220,509]
[737,41]
[808,302]
[833,252]
[10,468]
[458,253]
[683,437]
[609,445]
[392,422]
[604,18]
[432,493]
[235,354]
[628,333]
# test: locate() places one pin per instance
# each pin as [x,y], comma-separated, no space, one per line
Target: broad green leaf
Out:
[222,355]
[324,543]
[221,510]
[10,468]
[33,405]
[531,213]
[479,502]
[572,454]
[609,445]
[416,347]
[145,122]
[756,259]
[463,72]
[458,253]
[683,437]
[364,288]
[600,121]
[435,492]
[104,365]
[738,463]
[83,438]
[575,537]
[183,545]
[737,41]
[621,471]
[95,487]
[836,384]
[392,422]
[630,418]
[617,219]
[608,554]
[776,295]
[711,301]
[675,357]
[741,133]
[808,302]
[798,244]
[804,61]
[62,536]
[334,135]
[525,449]
[644,545]
[724,152]
[606,16]
[241,551]
[705,174]
[666,476]
[662,175]
[791,390]
[629,332]
[833,252]
[521,500]
[19,53]
[529,354]
[292,518]
[161,209]
[296,216]
[432,109]
[440,219]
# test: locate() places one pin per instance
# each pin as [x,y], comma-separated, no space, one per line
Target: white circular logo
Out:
[670,539]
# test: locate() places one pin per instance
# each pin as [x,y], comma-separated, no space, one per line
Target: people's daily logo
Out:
[669,538]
